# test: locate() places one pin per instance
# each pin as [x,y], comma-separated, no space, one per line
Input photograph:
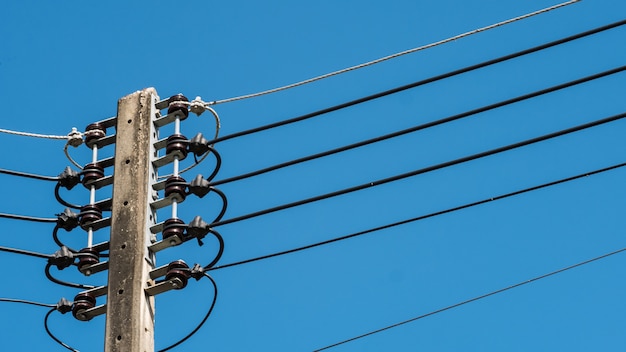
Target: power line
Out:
[22,301]
[30,134]
[424,170]
[476,298]
[26,218]
[422,217]
[421,82]
[28,175]
[45,325]
[423,126]
[24,252]
[201,322]
[389,57]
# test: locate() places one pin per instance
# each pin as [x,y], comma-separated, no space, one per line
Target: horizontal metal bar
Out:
[164,244]
[169,118]
[108,162]
[167,285]
[158,272]
[110,122]
[95,268]
[101,182]
[160,144]
[97,225]
[88,314]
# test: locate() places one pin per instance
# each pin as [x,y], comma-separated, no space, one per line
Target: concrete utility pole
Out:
[130,311]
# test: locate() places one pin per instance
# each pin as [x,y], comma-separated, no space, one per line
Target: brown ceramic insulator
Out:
[176,185]
[173,227]
[89,213]
[179,102]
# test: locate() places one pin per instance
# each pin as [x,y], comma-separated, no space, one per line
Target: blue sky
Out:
[66,65]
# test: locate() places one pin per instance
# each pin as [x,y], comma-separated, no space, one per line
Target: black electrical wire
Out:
[423,170]
[537,278]
[28,175]
[422,82]
[425,125]
[13,300]
[26,218]
[45,324]
[203,320]
[220,251]
[57,195]
[64,283]
[423,217]
[24,252]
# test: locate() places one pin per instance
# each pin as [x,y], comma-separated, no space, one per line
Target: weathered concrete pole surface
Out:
[130,312]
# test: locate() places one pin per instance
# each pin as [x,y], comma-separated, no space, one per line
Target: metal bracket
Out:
[97,225]
[167,119]
[88,314]
[167,285]
[164,244]
[96,268]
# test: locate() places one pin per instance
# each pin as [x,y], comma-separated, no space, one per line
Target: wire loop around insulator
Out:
[220,251]
[45,324]
[63,283]
[57,195]
[55,237]
[203,320]
[224,204]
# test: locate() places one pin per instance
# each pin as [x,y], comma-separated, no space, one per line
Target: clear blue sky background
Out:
[65,64]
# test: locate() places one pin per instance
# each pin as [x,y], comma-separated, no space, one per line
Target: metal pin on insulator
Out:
[93,132]
[89,256]
[92,172]
[82,302]
[174,227]
[177,146]
[89,214]
[180,270]
[179,103]
[175,187]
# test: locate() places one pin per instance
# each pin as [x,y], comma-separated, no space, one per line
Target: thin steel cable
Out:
[69,157]
[45,324]
[203,320]
[424,170]
[537,278]
[28,175]
[422,82]
[24,252]
[389,57]
[423,126]
[29,134]
[22,301]
[26,218]
[422,217]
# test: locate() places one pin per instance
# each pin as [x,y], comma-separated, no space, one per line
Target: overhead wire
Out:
[24,252]
[423,170]
[421,82]
[389,57]
[26,218]
[423,126]
[28,175]
[30,134]
[422,217]
[201,322]
[45,324]
[22,301]
[525,282]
